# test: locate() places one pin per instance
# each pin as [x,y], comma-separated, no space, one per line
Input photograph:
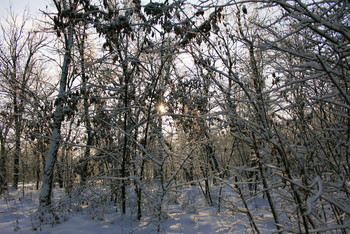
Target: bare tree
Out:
[19,61]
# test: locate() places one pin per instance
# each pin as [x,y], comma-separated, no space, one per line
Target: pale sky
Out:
[18,6]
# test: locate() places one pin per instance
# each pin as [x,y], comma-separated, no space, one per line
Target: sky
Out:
[19,6]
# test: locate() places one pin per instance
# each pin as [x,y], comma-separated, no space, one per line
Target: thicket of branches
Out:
[250,97]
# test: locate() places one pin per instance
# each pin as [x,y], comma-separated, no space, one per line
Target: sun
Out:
[161,108]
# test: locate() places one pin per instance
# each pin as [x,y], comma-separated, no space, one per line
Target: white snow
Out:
[189,215]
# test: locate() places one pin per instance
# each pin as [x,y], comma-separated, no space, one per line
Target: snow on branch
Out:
[311,200]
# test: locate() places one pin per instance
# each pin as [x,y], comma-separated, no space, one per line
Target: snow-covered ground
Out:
[189,214]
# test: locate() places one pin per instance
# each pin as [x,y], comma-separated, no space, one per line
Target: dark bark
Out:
[81,41]
[17,151]
[125,148]
[3,171]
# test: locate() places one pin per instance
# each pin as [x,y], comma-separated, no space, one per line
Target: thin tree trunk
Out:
[85,169]
[244,200]
[17,143]
[296,196]
[125,146]
[37,155]
[265,184]
[3,173]
[51,157]
[60,170]
[139,192]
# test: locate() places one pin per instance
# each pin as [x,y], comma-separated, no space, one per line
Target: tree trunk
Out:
[125,146]
[89,141]
[37,170]
[3,173]
[17,142]
[60,170]
[51,157]
[46,190]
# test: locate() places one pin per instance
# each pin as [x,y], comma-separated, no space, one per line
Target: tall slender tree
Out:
[64,25]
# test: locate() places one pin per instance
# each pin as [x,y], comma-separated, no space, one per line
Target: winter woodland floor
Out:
[188,214]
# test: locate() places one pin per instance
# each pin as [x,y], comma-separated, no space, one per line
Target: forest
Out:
[143,110]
